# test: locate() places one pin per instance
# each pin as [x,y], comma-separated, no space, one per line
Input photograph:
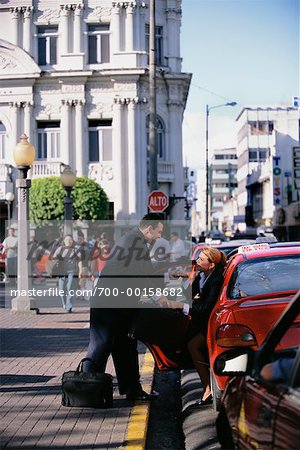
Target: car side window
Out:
[283,364]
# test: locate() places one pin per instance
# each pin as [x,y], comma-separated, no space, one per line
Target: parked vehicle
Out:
[261,404]
[226,247]
[259,282]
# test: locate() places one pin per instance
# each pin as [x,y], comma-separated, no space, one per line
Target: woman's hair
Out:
[215,256]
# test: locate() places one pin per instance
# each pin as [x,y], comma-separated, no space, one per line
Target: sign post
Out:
[157,201]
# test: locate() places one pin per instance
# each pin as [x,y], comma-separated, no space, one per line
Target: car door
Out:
[257,414]
[286,427]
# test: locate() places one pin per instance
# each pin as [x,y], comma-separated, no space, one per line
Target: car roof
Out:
[277,251]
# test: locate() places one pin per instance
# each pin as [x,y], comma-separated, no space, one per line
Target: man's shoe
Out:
[142,395]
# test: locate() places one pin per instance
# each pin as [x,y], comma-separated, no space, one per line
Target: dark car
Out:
[261,404]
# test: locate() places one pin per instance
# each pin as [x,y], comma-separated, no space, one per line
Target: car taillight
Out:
[232,335]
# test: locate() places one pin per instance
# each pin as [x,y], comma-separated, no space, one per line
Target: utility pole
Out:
[152,102]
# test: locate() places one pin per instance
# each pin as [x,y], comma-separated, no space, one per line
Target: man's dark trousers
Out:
[109,329]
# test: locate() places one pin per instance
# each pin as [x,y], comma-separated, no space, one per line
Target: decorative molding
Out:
[7,63]
[101,13]
[48,89]
[100,172]
[121,87]
[28,12]
[130,4]
[96,88]
[72,88]
[100,109]
[49,15]
[48,111]
[174,13]
[127,100]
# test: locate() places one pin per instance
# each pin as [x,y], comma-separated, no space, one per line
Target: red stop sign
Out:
[158,201]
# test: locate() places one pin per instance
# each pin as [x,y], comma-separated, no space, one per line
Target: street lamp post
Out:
[9,197]
[68,179]
[24,154]
[208,109]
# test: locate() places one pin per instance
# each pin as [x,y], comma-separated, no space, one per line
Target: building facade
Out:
[75,79]
[223,174]
[267,191]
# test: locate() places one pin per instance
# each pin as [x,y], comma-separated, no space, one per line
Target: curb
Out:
[138,422]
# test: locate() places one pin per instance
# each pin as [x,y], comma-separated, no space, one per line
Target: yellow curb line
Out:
[138,422]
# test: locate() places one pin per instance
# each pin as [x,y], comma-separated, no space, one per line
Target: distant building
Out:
[74,78]
[223,173]
[268,144]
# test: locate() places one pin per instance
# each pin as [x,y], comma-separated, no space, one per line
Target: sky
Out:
[246,51]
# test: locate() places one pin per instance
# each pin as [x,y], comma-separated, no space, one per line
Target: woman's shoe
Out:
[69,310]
[207,401]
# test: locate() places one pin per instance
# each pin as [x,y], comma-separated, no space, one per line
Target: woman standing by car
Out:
[205,287]
[70,265]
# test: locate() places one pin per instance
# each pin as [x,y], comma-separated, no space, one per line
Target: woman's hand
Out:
[175,305]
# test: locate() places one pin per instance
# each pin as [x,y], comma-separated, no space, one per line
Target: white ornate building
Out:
[74,78]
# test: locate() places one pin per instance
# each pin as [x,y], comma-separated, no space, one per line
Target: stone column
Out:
[65,131]
[115,26]
[175,145]
[15,132]
[142,112]
[120,193]
[173,29]
[64,29]
[142,27]
[28,120]
[130,28]
[132,158]
[15,14]
[77,28]
[79,145]
[27,29]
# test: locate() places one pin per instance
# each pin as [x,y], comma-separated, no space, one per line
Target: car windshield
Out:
[264,276]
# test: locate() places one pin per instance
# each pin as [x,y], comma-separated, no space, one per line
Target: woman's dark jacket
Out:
[202,307]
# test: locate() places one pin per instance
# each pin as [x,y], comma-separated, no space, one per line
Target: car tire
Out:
[224,431]
[3,277]
[217,393]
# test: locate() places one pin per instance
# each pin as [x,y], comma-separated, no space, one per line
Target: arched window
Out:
[160,138]
[2,140]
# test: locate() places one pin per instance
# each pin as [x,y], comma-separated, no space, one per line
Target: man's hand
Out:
[175,305]
[163,302]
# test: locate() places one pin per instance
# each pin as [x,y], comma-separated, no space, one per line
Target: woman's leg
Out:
[197,350]
[61,288]
[68,288]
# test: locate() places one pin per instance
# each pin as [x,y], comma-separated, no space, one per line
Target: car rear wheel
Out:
[2,277]
[224,431]
[216,392]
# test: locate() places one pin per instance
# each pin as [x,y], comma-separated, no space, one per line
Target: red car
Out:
[259,283]
[260,408]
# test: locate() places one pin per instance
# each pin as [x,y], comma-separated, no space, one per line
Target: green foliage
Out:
[47,195]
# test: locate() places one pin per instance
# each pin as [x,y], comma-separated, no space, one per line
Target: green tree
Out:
[47,195]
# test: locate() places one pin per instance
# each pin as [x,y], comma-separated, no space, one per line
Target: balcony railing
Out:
[45,169]
[165,171]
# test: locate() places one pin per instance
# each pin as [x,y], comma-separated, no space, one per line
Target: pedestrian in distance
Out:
[205,289]
[69,266]
[10,248]
[111,318]
[177,247]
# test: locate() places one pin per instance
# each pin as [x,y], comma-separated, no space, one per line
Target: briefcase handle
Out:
[93,364]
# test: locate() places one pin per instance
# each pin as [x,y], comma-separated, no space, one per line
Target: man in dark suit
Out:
[113,308]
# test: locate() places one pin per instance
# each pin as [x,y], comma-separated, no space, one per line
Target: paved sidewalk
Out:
[35,351]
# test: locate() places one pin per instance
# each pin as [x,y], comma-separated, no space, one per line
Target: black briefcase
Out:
[87,390]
